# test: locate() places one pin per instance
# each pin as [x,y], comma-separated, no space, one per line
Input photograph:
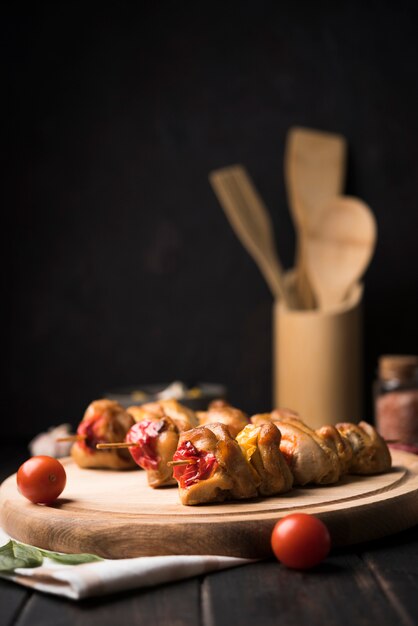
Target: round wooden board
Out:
[116,515]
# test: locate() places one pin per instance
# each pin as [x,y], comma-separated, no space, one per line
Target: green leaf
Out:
[71,559]
[13,555]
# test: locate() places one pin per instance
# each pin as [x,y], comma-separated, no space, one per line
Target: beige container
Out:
[317,362]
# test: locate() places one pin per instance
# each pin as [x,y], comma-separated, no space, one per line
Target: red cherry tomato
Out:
[300,541]
[41,479]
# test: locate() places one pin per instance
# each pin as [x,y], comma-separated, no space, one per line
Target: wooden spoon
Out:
[339,248]
[314,172]
[251,222]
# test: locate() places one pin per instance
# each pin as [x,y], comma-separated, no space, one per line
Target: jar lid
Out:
[399,366]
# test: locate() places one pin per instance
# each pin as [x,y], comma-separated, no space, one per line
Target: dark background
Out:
[120,265]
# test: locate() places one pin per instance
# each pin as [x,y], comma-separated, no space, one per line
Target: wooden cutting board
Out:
[116,515]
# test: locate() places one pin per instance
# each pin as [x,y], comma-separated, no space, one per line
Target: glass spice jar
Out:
[396,399]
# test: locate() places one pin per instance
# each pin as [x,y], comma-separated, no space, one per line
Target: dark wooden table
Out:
[376,583]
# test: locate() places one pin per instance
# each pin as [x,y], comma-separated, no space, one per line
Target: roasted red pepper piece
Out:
[145,434]
[201,466]
[90,429]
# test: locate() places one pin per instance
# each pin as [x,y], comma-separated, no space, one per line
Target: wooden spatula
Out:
[339,248]
[251,222]
[314,172]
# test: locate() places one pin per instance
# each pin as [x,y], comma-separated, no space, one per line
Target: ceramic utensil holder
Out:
[317,361]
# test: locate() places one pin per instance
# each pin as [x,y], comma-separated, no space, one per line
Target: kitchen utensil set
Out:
[335,234]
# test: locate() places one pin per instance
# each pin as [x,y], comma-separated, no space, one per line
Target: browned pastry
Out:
[261,418]
[182,416]
[219,403]
[215,468]
[105,421]
[310,458]
[370,452]
[220,412]
[261,448]
[275,416]
[156,433]
[324,455]
[330,435]
[282,415]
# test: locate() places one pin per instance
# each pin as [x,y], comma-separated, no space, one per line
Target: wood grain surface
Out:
[116,515]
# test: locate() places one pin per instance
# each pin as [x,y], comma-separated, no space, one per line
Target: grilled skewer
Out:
[104,421]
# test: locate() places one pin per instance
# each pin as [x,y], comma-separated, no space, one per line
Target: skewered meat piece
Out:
[370,452]
[339,444]
[219,411]
[309,457]
[105,421]
[358,448]
[261,418]
[261,447]
[283,415]
[275,416]
[338,451]
[216,468]
[157,440]
[218,403]
[156,431]
[182,416]
[220,469]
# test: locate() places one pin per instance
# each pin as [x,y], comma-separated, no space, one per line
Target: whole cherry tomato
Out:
[41,479]
[300,541]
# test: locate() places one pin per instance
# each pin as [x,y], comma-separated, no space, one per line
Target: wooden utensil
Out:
[339,248]
[314,172]
[251,222]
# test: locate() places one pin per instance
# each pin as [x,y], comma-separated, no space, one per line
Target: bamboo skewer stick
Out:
[181,462]
[121,444]
[71,438]
[126,444]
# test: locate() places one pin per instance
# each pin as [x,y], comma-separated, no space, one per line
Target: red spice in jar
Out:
[396,399]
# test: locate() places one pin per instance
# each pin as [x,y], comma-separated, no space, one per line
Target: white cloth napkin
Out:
[110,576]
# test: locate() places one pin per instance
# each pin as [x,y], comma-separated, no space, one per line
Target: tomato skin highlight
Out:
[41,479]
[300,541]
